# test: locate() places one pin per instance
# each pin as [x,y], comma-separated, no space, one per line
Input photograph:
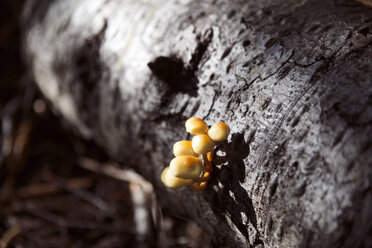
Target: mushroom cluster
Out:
[192,165]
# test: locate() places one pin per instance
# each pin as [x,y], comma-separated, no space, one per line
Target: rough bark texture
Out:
[291,77]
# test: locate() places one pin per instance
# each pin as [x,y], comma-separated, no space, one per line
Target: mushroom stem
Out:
[204,178]
[210,156]
[207,169]
[207,162]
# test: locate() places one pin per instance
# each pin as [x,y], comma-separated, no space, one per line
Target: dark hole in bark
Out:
[246,43]
[174,74]
[364,31]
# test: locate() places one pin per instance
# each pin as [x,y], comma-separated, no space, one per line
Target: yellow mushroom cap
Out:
[195,125]
[186,167]
[210,156]
[219,131]
[202,144]
[182,148]
[173,182]
[162,177]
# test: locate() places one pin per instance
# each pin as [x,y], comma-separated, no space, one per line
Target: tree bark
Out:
[292,78]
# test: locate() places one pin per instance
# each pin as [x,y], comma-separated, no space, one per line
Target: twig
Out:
[42,189]
[9,235]
[112,170]
[61,222]
[147,204]
[86,195]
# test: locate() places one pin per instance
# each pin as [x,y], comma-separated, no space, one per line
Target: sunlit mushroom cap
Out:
[195,125]
[173,182]
[182,148]
[202,144]
[210,156]
[162,177]
[219,131]
[186,167]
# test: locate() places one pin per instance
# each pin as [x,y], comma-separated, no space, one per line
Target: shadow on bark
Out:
[231,198]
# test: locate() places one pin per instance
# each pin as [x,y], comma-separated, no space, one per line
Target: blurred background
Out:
[57,190]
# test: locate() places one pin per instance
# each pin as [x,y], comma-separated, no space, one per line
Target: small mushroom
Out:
[186,167]
[202,144]
[182,148]
[173,182]
[209,157]
[219,131]
[195,125]
[196,186]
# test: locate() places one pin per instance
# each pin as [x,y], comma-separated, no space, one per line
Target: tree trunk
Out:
[292,78]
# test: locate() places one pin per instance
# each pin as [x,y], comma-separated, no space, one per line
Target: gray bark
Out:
[292,78]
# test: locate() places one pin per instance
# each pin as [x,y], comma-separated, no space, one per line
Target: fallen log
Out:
[291,78]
